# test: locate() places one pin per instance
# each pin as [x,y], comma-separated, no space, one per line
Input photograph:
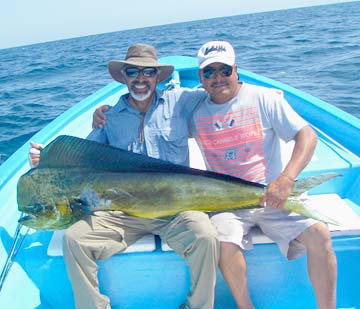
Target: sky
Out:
[24,22]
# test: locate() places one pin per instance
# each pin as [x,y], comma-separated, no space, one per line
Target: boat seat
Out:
[340,209]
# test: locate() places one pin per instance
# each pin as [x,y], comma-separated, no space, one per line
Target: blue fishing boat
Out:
[149,274]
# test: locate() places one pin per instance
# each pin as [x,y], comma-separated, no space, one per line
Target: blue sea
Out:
[314,49]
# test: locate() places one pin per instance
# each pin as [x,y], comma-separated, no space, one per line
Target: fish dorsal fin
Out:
[69,152]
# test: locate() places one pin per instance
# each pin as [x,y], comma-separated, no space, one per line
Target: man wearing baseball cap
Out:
[243,134]
[239,129]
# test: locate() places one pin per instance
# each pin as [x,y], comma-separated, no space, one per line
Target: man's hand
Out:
[277,192]
[99,119]
[34,154]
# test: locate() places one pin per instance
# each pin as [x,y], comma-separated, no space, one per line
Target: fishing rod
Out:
[15,248]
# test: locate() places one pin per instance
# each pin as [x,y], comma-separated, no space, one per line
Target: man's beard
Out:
[140,96]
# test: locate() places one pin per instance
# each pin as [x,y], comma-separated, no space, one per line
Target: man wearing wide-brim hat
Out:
[142,121]
[140,55]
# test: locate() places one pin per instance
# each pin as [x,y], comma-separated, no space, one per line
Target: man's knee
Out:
[199,224]
[75,235]
[69,236]
[316,236]
[192,231]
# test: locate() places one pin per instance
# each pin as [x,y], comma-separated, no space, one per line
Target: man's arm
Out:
[279,189]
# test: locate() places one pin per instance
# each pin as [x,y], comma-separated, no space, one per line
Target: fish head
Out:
[50,217]
[44,204]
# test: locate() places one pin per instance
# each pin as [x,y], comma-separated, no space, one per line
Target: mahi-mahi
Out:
[76,177]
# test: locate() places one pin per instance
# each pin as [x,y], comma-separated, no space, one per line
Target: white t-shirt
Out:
[245,136]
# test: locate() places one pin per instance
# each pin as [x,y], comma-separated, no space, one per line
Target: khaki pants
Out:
[99,237]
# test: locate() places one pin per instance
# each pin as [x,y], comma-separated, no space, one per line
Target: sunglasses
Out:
[210,72]
[146,72]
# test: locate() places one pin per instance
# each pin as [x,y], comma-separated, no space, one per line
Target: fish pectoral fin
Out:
[76,203]
[79,207]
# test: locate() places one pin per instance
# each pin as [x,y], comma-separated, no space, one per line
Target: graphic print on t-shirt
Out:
[233,143]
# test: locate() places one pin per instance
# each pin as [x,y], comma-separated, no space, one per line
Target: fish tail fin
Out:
[300,206]
[305,184]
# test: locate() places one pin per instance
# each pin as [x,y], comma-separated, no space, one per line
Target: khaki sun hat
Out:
[139,55]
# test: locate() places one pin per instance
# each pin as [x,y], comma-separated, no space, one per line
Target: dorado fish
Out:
[76,177]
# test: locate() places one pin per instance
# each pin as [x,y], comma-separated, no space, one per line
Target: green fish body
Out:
[77,177]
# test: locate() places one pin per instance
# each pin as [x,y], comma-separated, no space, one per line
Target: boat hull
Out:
[157,277]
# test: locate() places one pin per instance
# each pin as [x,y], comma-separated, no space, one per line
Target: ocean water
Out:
[314,49]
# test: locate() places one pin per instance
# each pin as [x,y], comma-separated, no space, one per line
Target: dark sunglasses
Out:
[210,72]
[134,72]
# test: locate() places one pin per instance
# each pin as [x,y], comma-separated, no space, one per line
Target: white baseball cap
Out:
[216,51]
